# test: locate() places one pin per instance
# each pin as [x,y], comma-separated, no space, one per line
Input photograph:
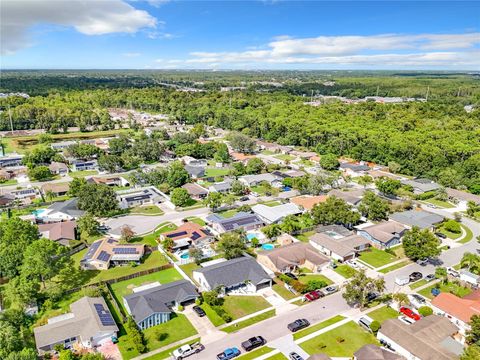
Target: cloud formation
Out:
[385,49]
[93,17]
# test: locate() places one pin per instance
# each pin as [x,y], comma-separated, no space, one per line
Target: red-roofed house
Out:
[187,235]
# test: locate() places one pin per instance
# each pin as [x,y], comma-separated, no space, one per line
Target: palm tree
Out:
[401,299]
[471,262]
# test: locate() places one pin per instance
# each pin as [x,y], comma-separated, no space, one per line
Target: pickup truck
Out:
[228,354]
[186,350]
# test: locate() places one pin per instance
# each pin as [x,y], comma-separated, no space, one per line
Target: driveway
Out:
[110,350]
[204,327]
[286,345]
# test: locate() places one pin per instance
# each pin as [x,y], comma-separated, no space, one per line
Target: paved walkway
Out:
[171,347]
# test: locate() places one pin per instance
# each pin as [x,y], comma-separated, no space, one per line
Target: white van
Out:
[402,280]
[365,322]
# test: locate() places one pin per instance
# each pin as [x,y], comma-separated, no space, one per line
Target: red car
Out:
[410,313]
[312,295]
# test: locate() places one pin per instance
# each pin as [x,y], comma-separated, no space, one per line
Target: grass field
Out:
[151,239]
[452,288]
[214,172]
[319,277]
[82,174]
[395,267]
[253,320]
[346,271]
[340,342]
[376,257]
[146,210]
[283,292]
[316,327]
[383,313]
[240,306]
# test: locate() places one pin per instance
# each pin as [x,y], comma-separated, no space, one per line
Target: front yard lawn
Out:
[256,353]
[450,287]
[123,288]
[280,289]
[214,318]
[167,354]
[418,284]
[176,329]
[146,210]
[468,235]
[382,314]
[151,239]
[214,172]
[340,342]
[285,157]
[451,235]
[305,236]
[197,220]
[345,270]
[228,213]
[82,174]
[188,268]
[318,277]
[440,203]
[272,203]
[253,320]
[239,306]
[316,327]
[395,267]
[376,257]
[278,356]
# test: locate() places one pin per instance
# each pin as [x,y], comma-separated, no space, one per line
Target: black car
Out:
[291,276]
[298,325]
[372,296]
[415,276]
[253,343]
[440,235]
[244,198]
[200,312]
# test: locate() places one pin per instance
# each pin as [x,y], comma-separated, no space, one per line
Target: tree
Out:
[472,208]
[238,169]
[168,244]
[334,211]
[135,336]
[388,186]
[180,197]
[373,207]
[196,254]
[425,310]
[20,291]
[290,224]
[127,233]
[420,244]
[329,162]
[360,286]
[272,231]
[10,339]
[222,155]
[177,175]
[98,199]
[471,262]
[394,167]
[471,352]
[375,326]
[473,335]
[452,226]
[39,155]
[317,183]
[242,143]
[441,273]
[49,195]
[40,173]
[110,163]
[24,354]
[365,180]
[213,200]
[401,299]
[76,185]
[88,225]
[232,245]
[254,166]
[238,188]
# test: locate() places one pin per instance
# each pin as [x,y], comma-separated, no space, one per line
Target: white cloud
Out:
[93,17]
[394,50]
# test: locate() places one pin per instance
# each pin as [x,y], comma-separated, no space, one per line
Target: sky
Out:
[269,34]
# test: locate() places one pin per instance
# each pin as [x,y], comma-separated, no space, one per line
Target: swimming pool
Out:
[38,213]
[184,256]
[268,246]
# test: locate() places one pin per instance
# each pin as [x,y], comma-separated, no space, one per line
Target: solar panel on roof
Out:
[104,315]
[124,250]
[111,241]
[103,256]
[195,235]
[181,233]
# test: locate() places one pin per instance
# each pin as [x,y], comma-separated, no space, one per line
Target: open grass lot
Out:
[149,261]
[468,236]
[283,292]
[123,288]
[331,342]
[305,236]
[284,157]
[214,172]
[82,174]
[346,271]
[151,239]
[176,329]
[318,277]
[383,313]
[316,327]
[376,257]
[450,287]
[240,306]
[167,354]
[395,267]
[253,320]
[255,353]
[439,203]
[214,318]
[146,210]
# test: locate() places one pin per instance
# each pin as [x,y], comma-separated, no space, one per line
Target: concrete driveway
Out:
[204,327]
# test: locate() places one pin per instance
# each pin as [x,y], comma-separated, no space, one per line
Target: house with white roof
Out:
[275,214]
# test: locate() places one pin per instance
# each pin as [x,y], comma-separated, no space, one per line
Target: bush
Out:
[222,313]
[299,287]
[425,310]
[180,308]
[452,226]
[199,301]
[212,299]
[315,284]
[375,326]
[427,195]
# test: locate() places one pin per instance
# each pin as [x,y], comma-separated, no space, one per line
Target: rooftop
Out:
[308,201]
[294,255]
[420,218]
[460,308]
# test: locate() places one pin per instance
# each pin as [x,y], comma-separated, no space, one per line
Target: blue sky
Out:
[240,34]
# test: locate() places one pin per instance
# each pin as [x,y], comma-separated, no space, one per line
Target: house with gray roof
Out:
[154,305]
[254,180]
[421,186]
[140,196]
[221,187]
[64,210]
[241,275]
[195,171]
[352,197]
[419,218]
[374,352]
[89,323]
[241,220]
[383,235]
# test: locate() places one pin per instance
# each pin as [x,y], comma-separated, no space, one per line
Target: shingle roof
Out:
[197,171]
[68,207]
[420,218]
[308,201]
[385,231]
[59,230]
[352,197]
[158,299]
[222,186]
[233,272]
[463,195]
[423,185]
[343,247]
[239,220]
[195,189]
[459,308]
[373,352]
[294,254]
[55,187]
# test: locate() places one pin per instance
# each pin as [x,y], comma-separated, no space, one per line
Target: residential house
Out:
[188,160]
[6,199]
[109,180]
[430,338]
[239,275]
[11,160]
[374,352]
[304,155]
[89,324]
[154,305]
[187,235]
[293,257]
[240,220]
[62,232]
[458,310]
[264,145]
[105,252]
[319,357]
[419,218]
[195,172]
[275,214]
[6,174]
[469,277]
[23,195]
[137,197]
[352,197]
[243,158]
[57,189]
[338,242]
[62,145]
[289,174]
[58,168]
[307,202]
[255,180]
[196,191]
[221,187]
[462,197]
[354,169]
[84,165]
[63,210]
[383,235]
[421,186]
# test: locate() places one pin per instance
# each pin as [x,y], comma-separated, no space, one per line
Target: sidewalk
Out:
[171,347]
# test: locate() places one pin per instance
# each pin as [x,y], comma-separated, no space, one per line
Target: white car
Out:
[452,272]
[406,320]
[416,300]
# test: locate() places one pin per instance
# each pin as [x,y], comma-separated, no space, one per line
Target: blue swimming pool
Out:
[38,213]
[252,235]
[268,246]
[185,255]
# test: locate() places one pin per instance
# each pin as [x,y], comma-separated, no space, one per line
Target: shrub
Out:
[180,308]
[452,226]
[199,301]
[222,313]
[211,298]
[315,284]
[299,287]
[427,195]
[425,310]
[340,339]
[375,326]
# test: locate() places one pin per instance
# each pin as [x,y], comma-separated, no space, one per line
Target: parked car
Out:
[313,295]
[416,300]
[291,276]
[294,356]
[187,350]
[365,322]
[353,264]
[440,235]
[422,262]
[452,272]
[406,320]
[409,313]
[244,198]
[429,277]
[329,290]
[253,343]
[415,276]
[298,325]
[228,354]
[372,296]
[200,312]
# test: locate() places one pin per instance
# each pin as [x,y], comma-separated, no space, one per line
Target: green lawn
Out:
[176,329]
[468,236]
[82,174]
[346,271]
[283,292]
[395,267]
[268,152]
[376,257]
[214,318]
[8,182]
[383,313]
[256,353]
[167,354]
[308,277]
[305,236]
[188,268]
[417,284]
[240,306]
[339,342]
[214,172]
[260,190]
[253,320]
[450,287]
[228,213]
[272,203]
[146,210]
[316,327]
[451,235]
[440,203]
[123,288]
[151,239]
[197,220]
[278,356]
[285,157]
